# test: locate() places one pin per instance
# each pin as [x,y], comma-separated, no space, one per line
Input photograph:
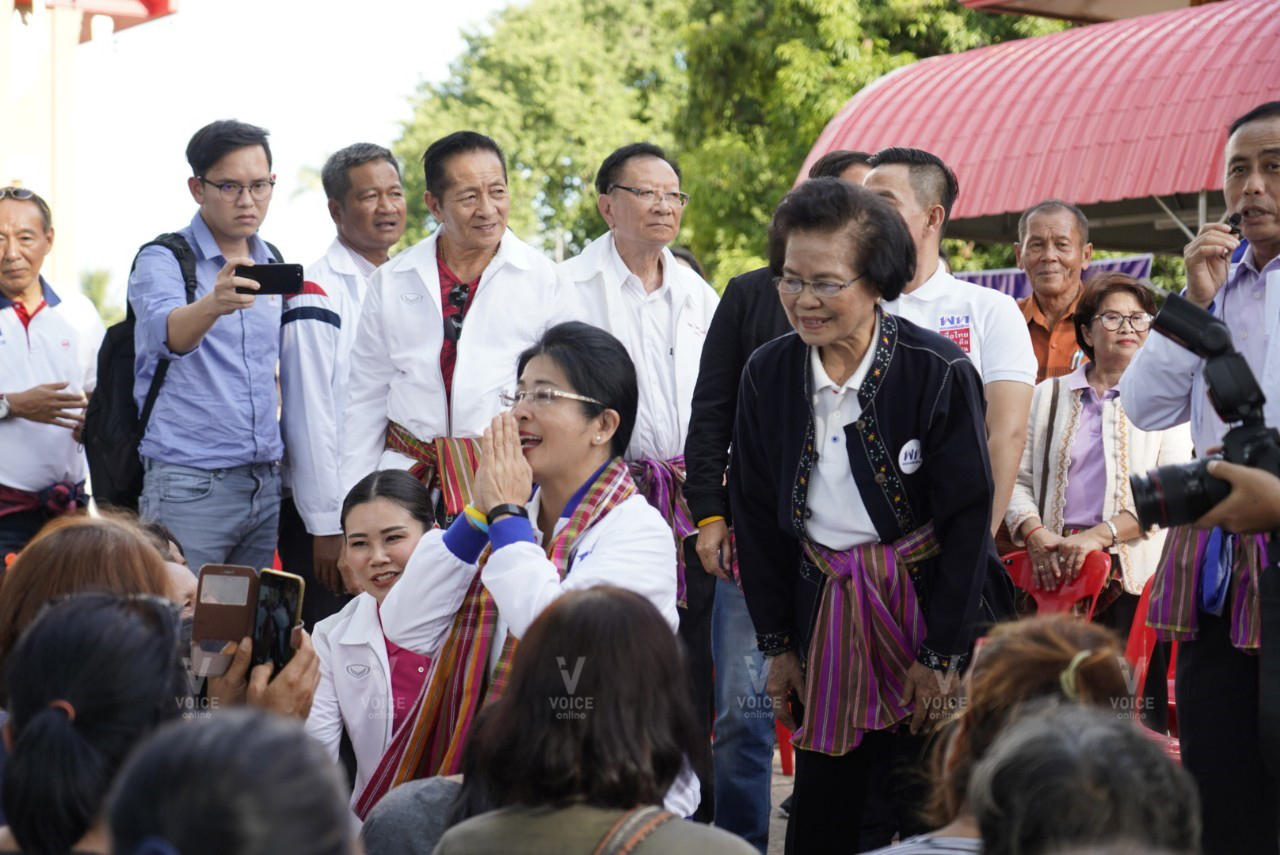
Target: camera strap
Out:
[1048,446]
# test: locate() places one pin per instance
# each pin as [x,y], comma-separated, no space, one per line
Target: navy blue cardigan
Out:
[920,387]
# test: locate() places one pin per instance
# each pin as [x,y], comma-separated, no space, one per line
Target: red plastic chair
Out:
[1142,643]
[785,752]
[1093,576]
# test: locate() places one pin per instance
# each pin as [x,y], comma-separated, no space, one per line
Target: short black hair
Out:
[161,536]
[1270,109]
[1082,222]
[881,245]
[610,170]
[336,175]
[216,139]
[231,784]
[633,742]
[834,163]
[394,485]
[1098,288]
[686,255]
[932,180]
[90,679]
[437,156]
[597,365]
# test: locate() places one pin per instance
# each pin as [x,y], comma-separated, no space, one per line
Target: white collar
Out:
[628,279]
[933,288]
[821,380]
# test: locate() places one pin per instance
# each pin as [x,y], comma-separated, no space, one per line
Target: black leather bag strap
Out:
[1048,446]
[181,250]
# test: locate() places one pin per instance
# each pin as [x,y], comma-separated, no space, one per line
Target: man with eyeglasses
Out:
[985,323]
[212,447]
[48,364]
[1053,249]
[367,205]
[628,282]
[442,326]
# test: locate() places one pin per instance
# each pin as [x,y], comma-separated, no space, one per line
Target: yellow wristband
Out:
[476,519]
[709,521]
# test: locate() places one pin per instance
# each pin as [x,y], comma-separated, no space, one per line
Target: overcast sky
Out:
[318,74]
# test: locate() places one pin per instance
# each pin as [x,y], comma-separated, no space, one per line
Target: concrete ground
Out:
[777,822]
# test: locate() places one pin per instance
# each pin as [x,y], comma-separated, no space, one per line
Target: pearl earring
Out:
[598,439]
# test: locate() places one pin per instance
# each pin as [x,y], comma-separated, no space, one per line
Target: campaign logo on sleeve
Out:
[957,328]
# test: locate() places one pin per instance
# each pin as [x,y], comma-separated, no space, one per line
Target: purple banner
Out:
[1013,281]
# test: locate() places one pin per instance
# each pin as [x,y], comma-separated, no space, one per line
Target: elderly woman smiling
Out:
[861,494]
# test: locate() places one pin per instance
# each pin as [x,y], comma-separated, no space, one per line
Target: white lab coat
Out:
[599,294]
[355,687]
[395,365]
[630,547]
[317,333]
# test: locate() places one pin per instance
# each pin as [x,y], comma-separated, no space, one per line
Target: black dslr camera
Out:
[1177,495]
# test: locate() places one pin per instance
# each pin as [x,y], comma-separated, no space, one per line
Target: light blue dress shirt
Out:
[218,406]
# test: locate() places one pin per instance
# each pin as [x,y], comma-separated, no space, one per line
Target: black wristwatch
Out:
[507,510]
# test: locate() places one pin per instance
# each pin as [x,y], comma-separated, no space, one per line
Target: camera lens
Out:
[1176,495]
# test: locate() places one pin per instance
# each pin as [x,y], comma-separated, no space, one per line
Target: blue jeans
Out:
[744,736]
[220,516]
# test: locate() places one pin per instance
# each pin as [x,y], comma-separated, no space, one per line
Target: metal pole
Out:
[1178,220]
[1204,208]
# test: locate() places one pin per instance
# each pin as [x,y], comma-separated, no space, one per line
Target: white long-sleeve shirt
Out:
[662,331]
[317,333]
[395,364]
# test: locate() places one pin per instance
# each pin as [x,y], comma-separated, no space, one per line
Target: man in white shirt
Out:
[318,330]
[48,364]
[629,283]
[471,296]
[986,324]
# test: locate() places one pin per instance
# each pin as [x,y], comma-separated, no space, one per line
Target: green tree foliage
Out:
[559,84]
[95,284]
[737,89]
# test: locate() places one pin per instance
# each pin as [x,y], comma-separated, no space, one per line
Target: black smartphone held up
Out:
[279,611]
[283,279]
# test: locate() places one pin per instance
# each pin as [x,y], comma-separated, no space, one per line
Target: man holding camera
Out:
[1206,593]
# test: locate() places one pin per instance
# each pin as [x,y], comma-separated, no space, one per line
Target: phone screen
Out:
[279,603]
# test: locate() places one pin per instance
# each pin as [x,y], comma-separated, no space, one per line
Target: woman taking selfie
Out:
[555,510]
[861,494]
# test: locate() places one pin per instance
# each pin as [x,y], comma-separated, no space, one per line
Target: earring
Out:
[599,439]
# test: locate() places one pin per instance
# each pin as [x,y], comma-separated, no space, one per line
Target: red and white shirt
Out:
[56,342]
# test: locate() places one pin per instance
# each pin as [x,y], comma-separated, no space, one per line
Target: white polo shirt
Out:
[838,518]
[986,324]
[59,345]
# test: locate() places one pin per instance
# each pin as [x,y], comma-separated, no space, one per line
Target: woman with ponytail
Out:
[88,680]
[1058,657]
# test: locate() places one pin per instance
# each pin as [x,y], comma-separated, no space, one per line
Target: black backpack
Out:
[113,429]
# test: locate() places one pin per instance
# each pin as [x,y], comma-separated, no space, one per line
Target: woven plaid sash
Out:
[1174,612]
[868,630]
[662,483]
[430,741]
[445,462]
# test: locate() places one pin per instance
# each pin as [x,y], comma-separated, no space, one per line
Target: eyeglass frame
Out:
[269,182]
[20,194]
[1120,319]
[514,397]
[813,285]
[650,194]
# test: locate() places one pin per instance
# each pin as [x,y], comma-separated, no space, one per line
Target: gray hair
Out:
[1067,774]
[336,175]
[1082,222]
